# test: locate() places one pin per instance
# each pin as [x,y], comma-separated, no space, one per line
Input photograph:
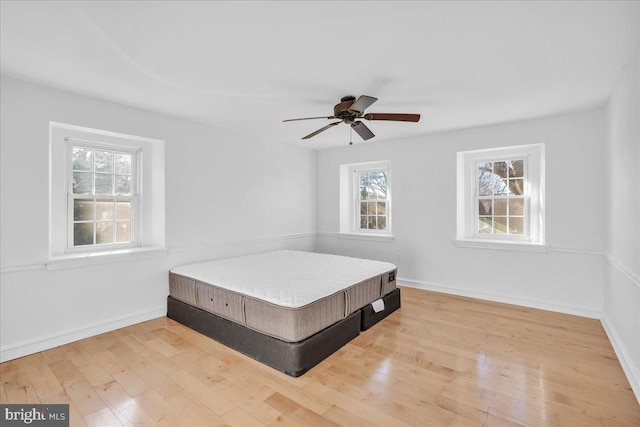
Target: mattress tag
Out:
[378,305]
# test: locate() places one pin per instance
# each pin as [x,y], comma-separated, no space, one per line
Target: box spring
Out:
[294,359]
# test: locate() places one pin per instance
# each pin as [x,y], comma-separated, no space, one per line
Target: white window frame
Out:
[148,215]
[356,200]
[467,196]
[136,220]
[350,200]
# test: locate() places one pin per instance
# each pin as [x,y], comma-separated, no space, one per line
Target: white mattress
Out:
[286,278]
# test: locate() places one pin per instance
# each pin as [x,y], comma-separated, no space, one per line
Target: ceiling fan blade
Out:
[362,103]
[362,130]
[322,129]
[396,117]
[310,118]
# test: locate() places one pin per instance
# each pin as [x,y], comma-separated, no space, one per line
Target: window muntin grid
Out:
[102,196]
[373,200]
[501,197]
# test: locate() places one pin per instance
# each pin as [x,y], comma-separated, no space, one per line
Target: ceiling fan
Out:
[350,111]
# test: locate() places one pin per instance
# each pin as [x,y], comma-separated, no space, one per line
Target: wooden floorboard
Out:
[440,360]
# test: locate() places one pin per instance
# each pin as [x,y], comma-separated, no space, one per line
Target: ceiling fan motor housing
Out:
[341,110]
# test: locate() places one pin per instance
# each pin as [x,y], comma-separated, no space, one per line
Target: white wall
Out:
[568,278]
[226,194]
[621,315]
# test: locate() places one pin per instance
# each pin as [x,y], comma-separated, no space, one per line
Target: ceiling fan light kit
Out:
[350,110]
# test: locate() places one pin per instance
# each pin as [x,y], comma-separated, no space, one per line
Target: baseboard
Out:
[630,369]
[44,343]
[472,293]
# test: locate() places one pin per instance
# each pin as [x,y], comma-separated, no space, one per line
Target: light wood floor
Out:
[439,360]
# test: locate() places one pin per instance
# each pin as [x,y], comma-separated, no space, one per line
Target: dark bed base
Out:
[294,359]
[370,317]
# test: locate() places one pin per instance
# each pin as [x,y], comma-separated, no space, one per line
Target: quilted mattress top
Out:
[286,278]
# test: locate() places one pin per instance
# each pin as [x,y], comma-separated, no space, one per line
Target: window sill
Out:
[501,246]
[369,237]
[105,257]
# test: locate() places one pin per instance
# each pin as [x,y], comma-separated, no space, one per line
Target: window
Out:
[365,199]
[97,199]
[103,195]
[501,195]
[373,199]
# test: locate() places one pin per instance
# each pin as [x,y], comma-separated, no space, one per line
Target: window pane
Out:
[373,185]
[516,207]
[516,186]
[490,184]
[104,184]
[372,208]
[104,232]
[82,183]
[363,221]
[363,208]
[516,168]
[380,184]
[123,210]
[83,210]
[371,222]
[382,208]
[500,225]
[104,210]
[123,231]
[364,184]
[123,184]
[382,222]
[83,233]
[485,225]
[516,225]
[82,159]
[484,207]
[501,169]
[501,188]
[500,207]
[104,161]
[122,163]
[485,177]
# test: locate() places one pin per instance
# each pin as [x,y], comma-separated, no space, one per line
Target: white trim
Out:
[558,250]
[534,195]
[523,247]
[371,237]
[635,278]
[19,268]
[630,369]
[349,197]
[472,293]
[134,198]
[327,234]
[503,245]
[54,340]
[368,168]
[96,258]
[86,259]
[148,214]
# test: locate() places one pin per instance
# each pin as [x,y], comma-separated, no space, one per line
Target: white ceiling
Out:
[246,66]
